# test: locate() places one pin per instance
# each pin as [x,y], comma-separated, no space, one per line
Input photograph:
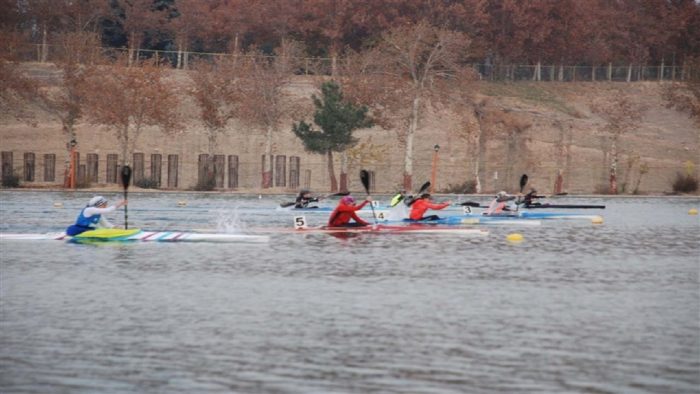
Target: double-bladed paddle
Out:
[523,182]
[126,178]
[289,204]
[420,192]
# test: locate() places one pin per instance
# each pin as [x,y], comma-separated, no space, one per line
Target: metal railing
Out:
[323,66]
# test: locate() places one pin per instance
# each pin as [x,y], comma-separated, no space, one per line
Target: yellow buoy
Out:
[693,211]
[515,237]
[597,220]
[181,203]
[58,205]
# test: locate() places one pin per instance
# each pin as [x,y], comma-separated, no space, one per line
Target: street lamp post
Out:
[433,178]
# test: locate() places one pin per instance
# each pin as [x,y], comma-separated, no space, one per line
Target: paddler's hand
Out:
[368,199]
[122,203]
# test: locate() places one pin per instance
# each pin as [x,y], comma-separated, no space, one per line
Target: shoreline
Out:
[251,192]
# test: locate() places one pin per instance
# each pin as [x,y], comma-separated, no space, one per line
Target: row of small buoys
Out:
[58,205]
[693,211]
[597,220]
[182,203]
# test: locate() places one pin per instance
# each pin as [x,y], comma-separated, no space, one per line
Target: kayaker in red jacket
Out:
[341,215]
[422,204]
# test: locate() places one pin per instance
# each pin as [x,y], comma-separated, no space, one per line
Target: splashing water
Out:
[229,221]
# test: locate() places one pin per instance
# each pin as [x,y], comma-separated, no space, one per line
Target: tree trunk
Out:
[267,171]
[559,182]
[344,172]
[629,73]
[605,150]
[408,157]
[130,53]
[512,155]
[179,56]
[478,146]
[44,45]
[567,166]
[331,172]
[70,132]
[560,146]
[613,165]
[561,73]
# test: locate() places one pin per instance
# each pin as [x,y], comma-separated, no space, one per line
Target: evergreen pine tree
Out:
[337,120]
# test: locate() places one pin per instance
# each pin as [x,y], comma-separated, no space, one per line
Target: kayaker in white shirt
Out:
[92,216]
[500,205]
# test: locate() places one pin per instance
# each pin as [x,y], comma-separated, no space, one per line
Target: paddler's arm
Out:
[440,206]
[104,223]
[358,219]
[363,203]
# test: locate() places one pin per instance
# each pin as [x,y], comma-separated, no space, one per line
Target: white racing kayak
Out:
[137,235]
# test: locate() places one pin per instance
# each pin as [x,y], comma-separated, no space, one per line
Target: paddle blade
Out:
[287,204]
[364,178]
[126,176]
[523,182]
[423,188]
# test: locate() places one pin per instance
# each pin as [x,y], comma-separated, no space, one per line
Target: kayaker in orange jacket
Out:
[345,211]
[422,204]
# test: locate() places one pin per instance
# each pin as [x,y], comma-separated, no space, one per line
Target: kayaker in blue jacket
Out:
[91,217]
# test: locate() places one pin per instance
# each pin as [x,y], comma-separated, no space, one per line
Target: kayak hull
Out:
[383,229]
[139,236]
[474,220]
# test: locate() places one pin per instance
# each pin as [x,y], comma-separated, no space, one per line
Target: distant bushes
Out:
[685,183]
[11,180]
[147,183]
[464,188]
[207,183]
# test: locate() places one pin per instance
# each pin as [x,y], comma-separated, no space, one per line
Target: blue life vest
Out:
[82,221]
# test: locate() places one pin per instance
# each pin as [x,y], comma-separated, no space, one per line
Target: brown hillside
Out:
[534,128]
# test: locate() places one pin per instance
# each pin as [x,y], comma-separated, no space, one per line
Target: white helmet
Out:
[97,201]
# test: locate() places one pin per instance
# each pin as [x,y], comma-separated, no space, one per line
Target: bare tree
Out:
[137,17]
[214,91]
[424,62]
[127,99]
[262,91]
[620,115]
[17,91]
[57,94]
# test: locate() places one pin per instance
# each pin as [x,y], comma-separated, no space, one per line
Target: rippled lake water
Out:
[575,307]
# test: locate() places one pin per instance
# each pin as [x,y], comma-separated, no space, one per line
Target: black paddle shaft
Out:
[126,178]
[364,178]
